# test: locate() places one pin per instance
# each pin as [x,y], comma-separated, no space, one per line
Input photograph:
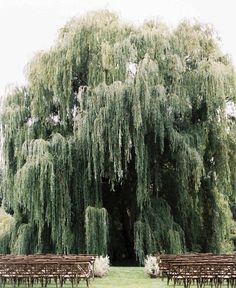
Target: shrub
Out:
[101,266]
[151,266]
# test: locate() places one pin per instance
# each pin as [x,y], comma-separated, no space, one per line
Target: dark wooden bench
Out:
[44,269]
[199,269]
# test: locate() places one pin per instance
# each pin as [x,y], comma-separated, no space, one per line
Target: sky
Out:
[28,26]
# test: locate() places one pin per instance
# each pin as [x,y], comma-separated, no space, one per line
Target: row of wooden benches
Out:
[199,269]
[44,269]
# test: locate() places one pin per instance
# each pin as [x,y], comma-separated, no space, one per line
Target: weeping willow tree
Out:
[121,142]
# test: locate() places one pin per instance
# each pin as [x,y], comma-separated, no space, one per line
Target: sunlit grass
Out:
[127,277]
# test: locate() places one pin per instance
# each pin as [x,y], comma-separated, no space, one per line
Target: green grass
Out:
[127,277]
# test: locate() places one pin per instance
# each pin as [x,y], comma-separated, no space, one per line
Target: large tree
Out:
[120,143]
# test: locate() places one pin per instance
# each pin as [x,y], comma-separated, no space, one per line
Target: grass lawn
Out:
[127,277]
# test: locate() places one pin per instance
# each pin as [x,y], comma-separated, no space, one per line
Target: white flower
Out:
[101,266]
[151,267]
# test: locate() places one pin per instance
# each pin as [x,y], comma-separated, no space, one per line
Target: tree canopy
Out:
[120,143]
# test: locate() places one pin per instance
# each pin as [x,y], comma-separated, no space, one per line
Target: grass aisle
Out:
[127,277]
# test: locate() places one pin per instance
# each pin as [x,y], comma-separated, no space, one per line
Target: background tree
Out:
[124,129]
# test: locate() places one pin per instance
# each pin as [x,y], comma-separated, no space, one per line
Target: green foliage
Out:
[96,229]
[109,100]
[156,231]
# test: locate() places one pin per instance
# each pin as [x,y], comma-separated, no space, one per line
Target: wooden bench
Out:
[44,269]
[199,269]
